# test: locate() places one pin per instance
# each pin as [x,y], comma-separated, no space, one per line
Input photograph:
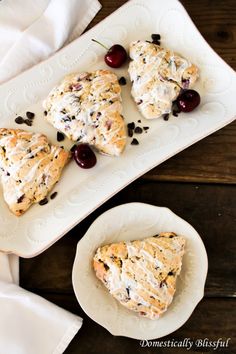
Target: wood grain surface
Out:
[198,184]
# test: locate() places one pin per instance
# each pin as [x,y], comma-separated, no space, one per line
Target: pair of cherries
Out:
[115,57]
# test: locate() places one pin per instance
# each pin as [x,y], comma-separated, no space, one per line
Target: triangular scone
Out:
[157,76]
[141,275]
[87,108]
[29,167]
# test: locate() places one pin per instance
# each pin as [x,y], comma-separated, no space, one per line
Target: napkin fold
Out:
[30,31]
[30,324]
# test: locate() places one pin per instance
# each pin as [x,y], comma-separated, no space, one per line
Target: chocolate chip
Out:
[19,200]
[53,195]
[60,136]
[28,122]
[19,120]
[139,121]
[130,132]
[134,142]
[145,128]
[45,113]
[30,115]
[106,266]
[131,125]
[128,289]
[138,130]
[43,201]
[156,37]
[156,42]
[72,149]
[170,273]
[139,102]
[166,116]
[175,109]
[122,81]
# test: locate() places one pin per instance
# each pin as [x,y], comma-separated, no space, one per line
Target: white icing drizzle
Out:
[17,159]
[152,284]
[87,114]
[149,86]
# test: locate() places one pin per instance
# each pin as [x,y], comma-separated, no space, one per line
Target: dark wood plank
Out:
[209,320]
[210,209]
[212,159]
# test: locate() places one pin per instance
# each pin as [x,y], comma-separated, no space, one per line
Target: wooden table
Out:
[197,184]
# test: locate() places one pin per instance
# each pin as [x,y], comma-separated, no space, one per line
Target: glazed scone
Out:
[142,275]
[87,108]
[29,167]
[157,76]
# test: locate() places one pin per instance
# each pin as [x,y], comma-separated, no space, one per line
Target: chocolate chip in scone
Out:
[30,115]
[145,128]
[45,113]
[128,290]
[139,102]
[166,116]
[53,195]
[28,122]
[138,130]
[19,120]
[134,142]
[139,121]
[131,125]
[43,201]
[19,200]
[60,136]
[122,81]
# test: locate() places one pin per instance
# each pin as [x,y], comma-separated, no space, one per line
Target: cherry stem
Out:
[94,40]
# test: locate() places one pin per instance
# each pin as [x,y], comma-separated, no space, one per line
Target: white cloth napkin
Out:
[30,324]
[30,31]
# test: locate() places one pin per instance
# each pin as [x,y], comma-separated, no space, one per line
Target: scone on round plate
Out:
[142,275]
[29,167]
[87,108]
[157,76]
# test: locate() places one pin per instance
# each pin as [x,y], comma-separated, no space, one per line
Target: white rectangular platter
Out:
[81,191]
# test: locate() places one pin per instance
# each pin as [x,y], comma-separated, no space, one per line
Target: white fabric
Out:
[30,324]
[30,31]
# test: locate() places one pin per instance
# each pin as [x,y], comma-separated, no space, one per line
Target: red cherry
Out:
[188,100]
[116,56]
[84,156]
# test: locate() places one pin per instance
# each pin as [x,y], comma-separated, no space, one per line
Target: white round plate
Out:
[130,222]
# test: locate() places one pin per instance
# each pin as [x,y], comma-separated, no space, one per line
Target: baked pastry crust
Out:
[142,275]
[157,76]
[29,167]
[87,108]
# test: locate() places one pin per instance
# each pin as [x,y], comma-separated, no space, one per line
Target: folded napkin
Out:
[30,31]
[30,324]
